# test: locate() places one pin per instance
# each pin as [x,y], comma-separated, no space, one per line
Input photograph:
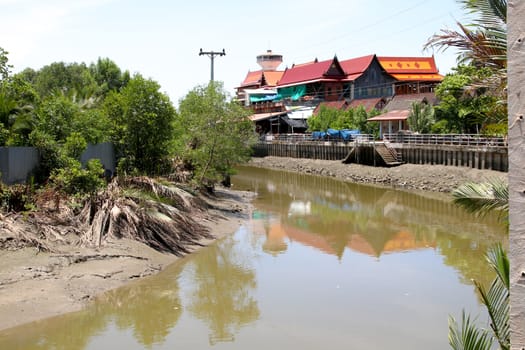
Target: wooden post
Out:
[516,96]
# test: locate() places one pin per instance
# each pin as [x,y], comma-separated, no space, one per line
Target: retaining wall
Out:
[491,158]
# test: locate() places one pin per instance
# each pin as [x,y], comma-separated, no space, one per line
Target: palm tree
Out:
[482,43]
[421,117]
[482,198]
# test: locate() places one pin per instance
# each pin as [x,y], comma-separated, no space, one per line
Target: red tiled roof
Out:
[367,103]
[272,77]
[310,72]
[356,66]
[253,78]
[408,65]
[331,104]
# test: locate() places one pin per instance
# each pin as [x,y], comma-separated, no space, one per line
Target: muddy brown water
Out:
[320,264]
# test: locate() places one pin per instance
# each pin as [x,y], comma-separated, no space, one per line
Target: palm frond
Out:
[496,299]
[491,12]
[481,198]
[469,336]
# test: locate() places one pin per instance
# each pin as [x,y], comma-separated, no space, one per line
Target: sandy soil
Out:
[36,285]
[434,178]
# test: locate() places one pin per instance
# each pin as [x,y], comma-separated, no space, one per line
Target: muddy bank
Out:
[434,178]
[36,285]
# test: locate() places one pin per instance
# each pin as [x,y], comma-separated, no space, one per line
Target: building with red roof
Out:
[369,81]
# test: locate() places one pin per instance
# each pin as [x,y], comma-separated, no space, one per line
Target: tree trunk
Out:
[516,96]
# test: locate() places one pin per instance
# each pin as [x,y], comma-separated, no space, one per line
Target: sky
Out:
[161,39]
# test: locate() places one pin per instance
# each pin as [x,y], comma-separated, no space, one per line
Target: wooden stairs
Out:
[388,154]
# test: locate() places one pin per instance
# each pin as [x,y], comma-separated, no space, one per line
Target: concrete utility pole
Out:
[516,95]
[211,55]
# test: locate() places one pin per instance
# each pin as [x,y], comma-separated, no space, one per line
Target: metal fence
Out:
[17,164]
[308,137]
[447,139]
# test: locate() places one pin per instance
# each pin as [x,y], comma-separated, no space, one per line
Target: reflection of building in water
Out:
[401,241]
[275,240]
[300,208]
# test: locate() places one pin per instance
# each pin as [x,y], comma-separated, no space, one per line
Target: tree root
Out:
[165,224]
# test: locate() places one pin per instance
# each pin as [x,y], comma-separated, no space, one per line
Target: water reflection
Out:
[149,309]
[334,217]
[222,291]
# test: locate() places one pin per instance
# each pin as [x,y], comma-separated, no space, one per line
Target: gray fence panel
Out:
[105,152]
[17,163]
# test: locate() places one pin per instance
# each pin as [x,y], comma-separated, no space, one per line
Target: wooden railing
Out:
[446,139]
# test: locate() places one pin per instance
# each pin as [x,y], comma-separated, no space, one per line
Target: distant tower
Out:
[269,61]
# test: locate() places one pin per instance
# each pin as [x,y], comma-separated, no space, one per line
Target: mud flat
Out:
[433,178]
[35,285]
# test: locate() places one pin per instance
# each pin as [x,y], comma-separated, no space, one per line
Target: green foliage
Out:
[498,129]
[421,117]
[50,156]
[468,107]
[469,336]
[496,300]
[60,77]
[74,146]
[212,133]
[483,197]
[15,198]
[440,127]
[16,112]
[5,68]
[55,116]
[351,118]
[73,179]
[142,125]
[108,76]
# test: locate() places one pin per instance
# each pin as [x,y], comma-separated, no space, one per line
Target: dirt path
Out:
[434,178]
[36,285]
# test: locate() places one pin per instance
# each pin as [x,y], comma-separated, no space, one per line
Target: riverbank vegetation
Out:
[166,157]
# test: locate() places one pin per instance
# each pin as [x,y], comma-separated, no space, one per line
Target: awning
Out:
[295,123]
[263,116]
[392,115]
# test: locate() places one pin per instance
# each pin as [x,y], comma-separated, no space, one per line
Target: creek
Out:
[320,264]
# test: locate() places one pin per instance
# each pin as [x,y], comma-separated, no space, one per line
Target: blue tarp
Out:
[345,134]
[348,135]
[318,135]
[333,133]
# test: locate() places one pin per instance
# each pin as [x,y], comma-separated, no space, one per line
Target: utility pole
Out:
[211,55]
